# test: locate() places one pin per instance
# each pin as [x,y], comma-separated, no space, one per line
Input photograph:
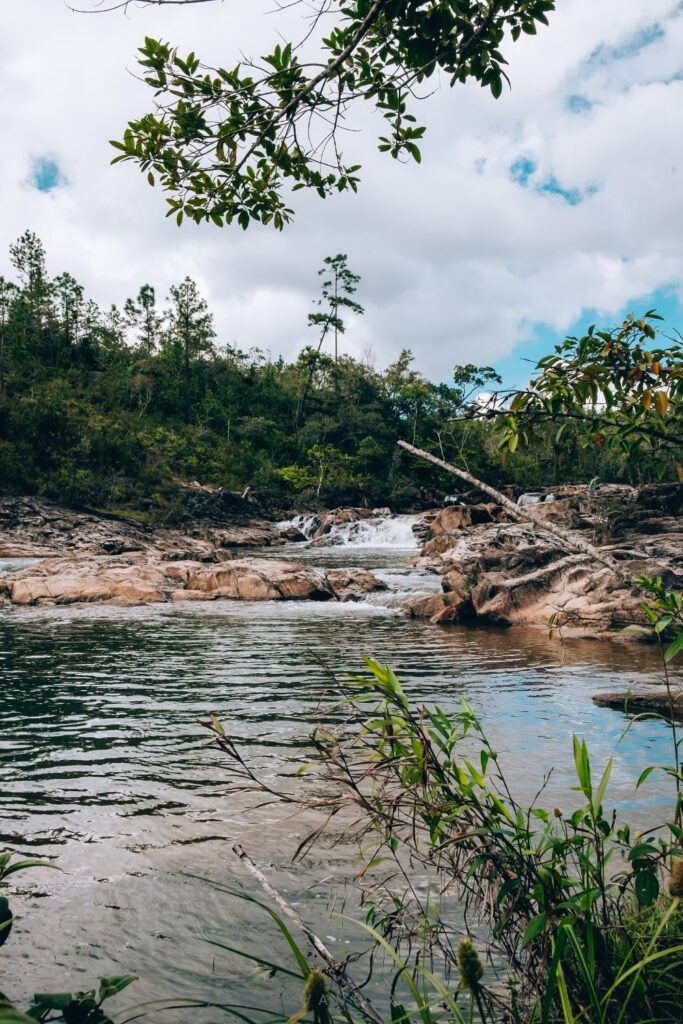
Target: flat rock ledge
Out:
[644,702]
[145,578]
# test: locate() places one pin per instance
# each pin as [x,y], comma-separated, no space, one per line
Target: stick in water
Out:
[337,968]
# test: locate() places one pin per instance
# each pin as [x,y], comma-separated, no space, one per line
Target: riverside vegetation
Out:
[114,409]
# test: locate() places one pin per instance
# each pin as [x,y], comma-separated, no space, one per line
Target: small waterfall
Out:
[391,532]
[305,524]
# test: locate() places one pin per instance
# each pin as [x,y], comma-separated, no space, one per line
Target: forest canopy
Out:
[117,408]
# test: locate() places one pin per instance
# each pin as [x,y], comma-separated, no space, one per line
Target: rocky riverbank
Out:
[494,569]
[140,578]
[31,528]
[500,571]
[86,558]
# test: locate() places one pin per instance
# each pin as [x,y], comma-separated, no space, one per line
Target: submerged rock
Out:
[654,702]
[146,578]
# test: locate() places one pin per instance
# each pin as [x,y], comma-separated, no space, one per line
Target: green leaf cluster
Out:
[226,143]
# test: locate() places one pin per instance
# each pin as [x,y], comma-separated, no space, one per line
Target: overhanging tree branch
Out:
[224,143]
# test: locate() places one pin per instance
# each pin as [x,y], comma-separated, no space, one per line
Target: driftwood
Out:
[336,967]
[522,514]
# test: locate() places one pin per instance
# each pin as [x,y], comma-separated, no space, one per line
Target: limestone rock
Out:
[515,574]
[460,517]
[33,528]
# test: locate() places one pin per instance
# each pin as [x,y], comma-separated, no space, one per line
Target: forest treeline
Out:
[117,408]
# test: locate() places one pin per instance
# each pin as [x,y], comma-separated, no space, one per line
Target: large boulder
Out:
[353,584]
[460,517]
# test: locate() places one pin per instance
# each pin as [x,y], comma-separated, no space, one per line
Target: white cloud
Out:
[458,260]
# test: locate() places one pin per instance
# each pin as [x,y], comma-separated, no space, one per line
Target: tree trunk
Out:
[186,389]
[298,416]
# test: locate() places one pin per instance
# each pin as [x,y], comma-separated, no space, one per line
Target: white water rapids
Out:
[394,532]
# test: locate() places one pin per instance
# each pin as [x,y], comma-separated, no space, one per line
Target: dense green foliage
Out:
[226,143]
[116,408]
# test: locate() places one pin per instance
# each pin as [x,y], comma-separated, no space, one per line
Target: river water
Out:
[104,769]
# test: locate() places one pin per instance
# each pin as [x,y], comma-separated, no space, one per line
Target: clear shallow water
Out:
[103,767]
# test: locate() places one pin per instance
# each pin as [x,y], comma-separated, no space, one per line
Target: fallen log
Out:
[522,513]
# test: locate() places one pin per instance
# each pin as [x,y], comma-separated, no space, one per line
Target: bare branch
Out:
[336,967]
[123,5]
[521,513]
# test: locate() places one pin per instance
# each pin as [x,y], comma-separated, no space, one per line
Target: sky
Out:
[556,206]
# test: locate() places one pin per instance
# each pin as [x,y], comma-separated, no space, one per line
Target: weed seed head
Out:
[317,996]
[470,967]
[676,877]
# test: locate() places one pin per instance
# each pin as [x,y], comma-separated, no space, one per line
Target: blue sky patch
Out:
[45,174]
[646,37]
[518,367]
[522,170]
[578,104]
[573,196]
[552,187]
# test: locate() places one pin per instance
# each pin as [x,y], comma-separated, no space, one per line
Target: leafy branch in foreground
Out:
[570,904]
[620,388]
[224,142]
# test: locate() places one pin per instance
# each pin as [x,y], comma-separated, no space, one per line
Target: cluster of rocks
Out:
[144,578]
[31,528]
[86,558]
[494,569]
[497,570]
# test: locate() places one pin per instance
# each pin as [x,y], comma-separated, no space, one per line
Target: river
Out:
[105,771]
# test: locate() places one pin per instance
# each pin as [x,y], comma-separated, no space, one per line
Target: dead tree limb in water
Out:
[336,967]
[520,513]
